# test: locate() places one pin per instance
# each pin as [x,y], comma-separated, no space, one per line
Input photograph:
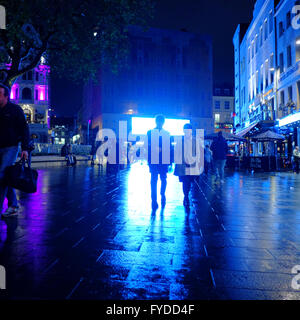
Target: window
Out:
[36,76]
[226,92]
[270,22]
[272,69]
[217,117]
[217,104]
[256,82]
[298,49]
[256,44]
[36,94]
[266,29]
[26,94]
[290,93]
[227,105]
[261,79]
[266,73]
[281,62]
[24,76]
[218,91]
[261,36]
[280,29]
[29,75]
[289,56]
[288,19]
[282,97]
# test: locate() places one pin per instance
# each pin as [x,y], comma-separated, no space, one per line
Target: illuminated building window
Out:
[217,117]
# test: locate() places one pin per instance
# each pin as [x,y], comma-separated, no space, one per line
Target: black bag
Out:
[22,177]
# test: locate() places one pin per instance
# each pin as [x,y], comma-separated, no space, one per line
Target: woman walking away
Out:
[190,168]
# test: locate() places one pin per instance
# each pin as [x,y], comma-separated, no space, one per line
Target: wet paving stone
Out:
[90,235]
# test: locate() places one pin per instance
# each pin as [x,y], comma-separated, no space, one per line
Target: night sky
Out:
[217,18]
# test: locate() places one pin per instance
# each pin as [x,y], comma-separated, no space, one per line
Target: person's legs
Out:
[163,186]
[7,158]
[217,168]
[186,186]
[221,169]
[154,177]
[297,166]
[11,197]
[206,167]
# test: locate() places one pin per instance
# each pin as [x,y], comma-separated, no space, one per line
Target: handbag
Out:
[21,176]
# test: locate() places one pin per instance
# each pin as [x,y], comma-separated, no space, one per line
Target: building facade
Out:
[223,109]
[168,72]
[31,92]
[267,74]
[255,51]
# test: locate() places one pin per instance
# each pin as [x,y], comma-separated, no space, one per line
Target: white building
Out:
[255,54]
[267,72]
[223,109]
[31,92]
[288,58]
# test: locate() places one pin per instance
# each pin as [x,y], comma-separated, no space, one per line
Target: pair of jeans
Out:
[219,167]
[7,158]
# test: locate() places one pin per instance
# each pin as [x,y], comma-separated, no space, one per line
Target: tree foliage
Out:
[77,36]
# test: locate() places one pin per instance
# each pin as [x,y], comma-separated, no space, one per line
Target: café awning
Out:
[227,136]
[268,136]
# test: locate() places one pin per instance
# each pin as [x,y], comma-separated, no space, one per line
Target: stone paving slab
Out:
[90,234]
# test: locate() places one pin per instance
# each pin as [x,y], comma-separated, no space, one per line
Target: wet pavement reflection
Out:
[91,234]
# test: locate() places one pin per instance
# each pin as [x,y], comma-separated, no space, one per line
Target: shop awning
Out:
[268,136]
[243,132]
[228,136]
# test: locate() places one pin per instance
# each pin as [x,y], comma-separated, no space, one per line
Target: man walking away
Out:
[159,168]
[13,129]
[219,148]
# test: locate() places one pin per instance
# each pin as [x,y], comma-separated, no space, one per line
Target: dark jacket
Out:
[219,148]
[13,127]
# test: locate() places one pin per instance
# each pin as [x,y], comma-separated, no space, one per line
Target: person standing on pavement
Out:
[296,155]
[219,149]
[13,130]
[207,159]
[158,147]
[190,167]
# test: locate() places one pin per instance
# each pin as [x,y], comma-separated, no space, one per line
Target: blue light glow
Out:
[289,119]
[142,125]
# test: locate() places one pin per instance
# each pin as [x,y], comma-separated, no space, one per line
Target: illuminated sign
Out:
[289,119]
[143,125]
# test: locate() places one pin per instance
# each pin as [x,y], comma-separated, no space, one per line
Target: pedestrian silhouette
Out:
[159,159]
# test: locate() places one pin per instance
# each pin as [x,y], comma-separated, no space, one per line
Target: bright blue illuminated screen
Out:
[141,125]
